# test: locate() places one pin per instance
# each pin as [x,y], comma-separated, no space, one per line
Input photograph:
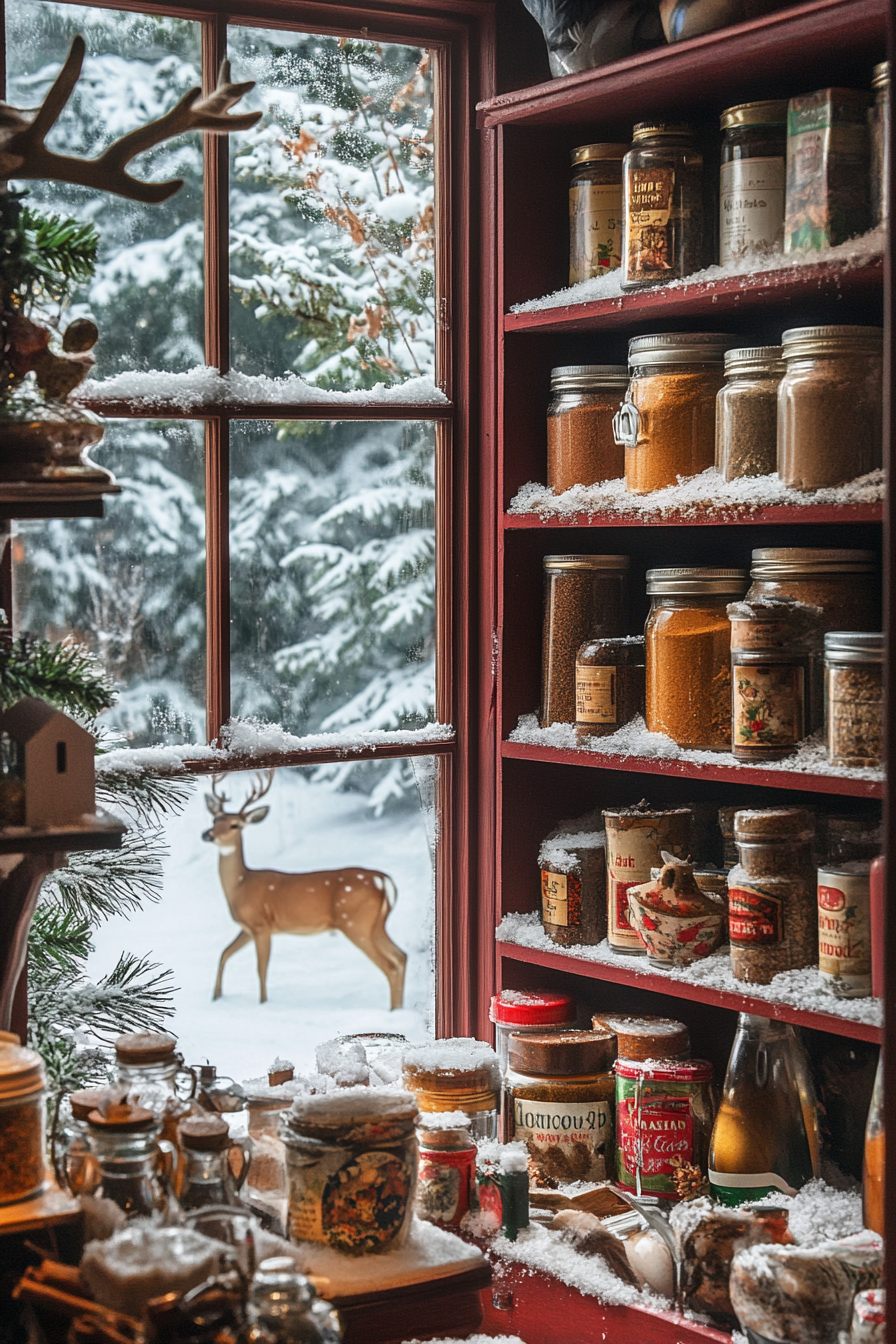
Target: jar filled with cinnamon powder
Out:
[582,449]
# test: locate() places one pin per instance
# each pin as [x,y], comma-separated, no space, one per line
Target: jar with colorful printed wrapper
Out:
[869,1317]
[772,903]
[585,597]
[747,412]
[752,182]
[582,449]
[609,685]
[560,1093]
[22,1122]
[537,1010]
[667,423]
[352,1161]
[844,928]
[573,869]
[595,211]
[827,198]
[771,650]
[645,1037]
[446,1176]
[636,839]
[662,180]
[688,636]
[458,1073]
[854,697]
[664,1118]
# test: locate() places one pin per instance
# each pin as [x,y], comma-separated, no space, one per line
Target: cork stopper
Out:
[646,1037]
[82,1103]
[562,1053]
[145,1047]
[278,1076]
[204,1133]
[773,823]
[122,1118]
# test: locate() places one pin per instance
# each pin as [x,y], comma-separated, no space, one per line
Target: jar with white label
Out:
[636,837]
[595,211]
[609,685]
[752,180]
[844,928]
[560,1091]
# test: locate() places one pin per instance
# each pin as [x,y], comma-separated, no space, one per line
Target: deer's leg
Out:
[379,947]
[263,953]
[239,941]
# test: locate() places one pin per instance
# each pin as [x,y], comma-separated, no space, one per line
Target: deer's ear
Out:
[213,804]
[257,814]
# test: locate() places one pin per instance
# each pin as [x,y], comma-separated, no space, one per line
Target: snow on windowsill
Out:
[202,386]
[692,497]
[850,256]
[633,740]
[800,989]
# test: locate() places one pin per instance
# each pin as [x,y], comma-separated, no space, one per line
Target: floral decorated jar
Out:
[676,921]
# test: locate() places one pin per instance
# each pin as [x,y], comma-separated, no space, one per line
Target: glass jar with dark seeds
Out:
[585,597]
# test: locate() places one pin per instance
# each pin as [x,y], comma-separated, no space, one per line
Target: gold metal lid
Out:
[21,1071]
[586,562]
[589,377]
[755,359]
[772,112]
[881,76]
[645,129]
[787,562]
[695,580]
[593,153]
[801,341]
[680,347]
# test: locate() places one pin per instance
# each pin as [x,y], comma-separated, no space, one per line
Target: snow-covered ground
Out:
[318,986]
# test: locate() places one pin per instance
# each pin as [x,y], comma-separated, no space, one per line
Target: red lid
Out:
[666,1070]
[534,1008]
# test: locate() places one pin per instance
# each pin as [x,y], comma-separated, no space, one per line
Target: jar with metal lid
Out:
[561,1088]
[879,127]
[747,412]
[352,1162]
[208,1176]
[664,1117]
[153,1071]
[667,423]
[854,697]
[456,1074]
[830,405]
[582,449]
[752,179]
[646,1037]
[538,1010]
[609,685]
[595,211]
[844,928]
[446,1177]
[73,1161]
[772,919]
[22,1111]
[689,654]
[136,1167]
[771,642]
[662,180]
[585,597]
[636,837]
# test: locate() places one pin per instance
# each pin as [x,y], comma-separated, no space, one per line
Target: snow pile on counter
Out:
[539,1248]
[797,989]
[205,386]
[354,1103]
[693,496]
[849,256]
[633,740]
[559,850]
[429,1253]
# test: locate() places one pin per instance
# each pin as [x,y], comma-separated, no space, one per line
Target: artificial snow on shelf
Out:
[430,1252]
[205,386]
[694,496]
[820,1213]
[800,989]
[634,740]
[850,256]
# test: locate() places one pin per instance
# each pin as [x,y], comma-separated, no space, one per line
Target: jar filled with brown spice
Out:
[854,697]
[771,642]
[752,180]
[581,447]
[747,412]
[595,211]
[585,597]
[573,870]
[663,205]
[22,1087]
[609,685]
[772,903]
[636,839]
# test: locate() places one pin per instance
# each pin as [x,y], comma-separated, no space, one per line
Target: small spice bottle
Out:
[664,1118]
[153,1071]
[636,837]
[772,903]
[770,677]
[662,178]
[751,184]
[827,197]
[538,1010]
[446,1176]
[560,1088]
[22,1088]
[646,1037]
[595,211]
[667,423]
[830,405]
[844,928]
[456,1074]
[73,1162]
[747,412]
[609,685]
[879,127]
[585,597]
[573,868]
[689,654]
[854,697]
[582,449]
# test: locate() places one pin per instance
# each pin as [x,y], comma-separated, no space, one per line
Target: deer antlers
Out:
[23,152]
[263,781]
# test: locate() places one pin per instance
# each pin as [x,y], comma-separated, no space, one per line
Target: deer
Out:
[263,901]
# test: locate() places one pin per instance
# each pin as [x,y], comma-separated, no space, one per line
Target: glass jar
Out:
[585,597]
[747,412]
[208,1176]
[636,837]
[772,902]
[22,1112]
[560,1090]
[664,1117]
[73,1161]
[283,1308]
[446,1177]
[751,185]
[667,422]
[869,1317]
[595,211]
[609,685]
[136,1167]
[879,127]
[770,676]
[153,1072]
[854,697]
[875,1153]
[662,179]
[456,1074]
[351,1158]
[581,447]
[539,1010]
[689,655]
[830,405]
[844,928]
[572,865]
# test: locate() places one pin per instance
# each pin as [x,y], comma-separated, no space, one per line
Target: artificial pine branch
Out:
[146,797]
[98,884]
[67,675]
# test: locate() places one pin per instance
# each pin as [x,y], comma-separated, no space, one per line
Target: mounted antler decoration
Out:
[23,151]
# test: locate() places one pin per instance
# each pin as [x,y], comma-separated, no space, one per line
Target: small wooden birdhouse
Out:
[46,767]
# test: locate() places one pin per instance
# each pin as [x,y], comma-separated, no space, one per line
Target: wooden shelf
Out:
[44,508]
[48,1209]
[634,971]
[722,774]
[102,832]
[777,515]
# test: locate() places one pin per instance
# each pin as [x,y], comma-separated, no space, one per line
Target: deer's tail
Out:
[390,890]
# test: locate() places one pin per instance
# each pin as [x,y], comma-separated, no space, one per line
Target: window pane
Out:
[332,230]
[318,986]
[131,585]
[146,296]
[333,574]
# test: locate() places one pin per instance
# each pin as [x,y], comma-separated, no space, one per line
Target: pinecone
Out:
[690,1183]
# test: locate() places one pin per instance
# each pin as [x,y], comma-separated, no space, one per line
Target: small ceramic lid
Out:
[21,1070]
[204,1133]
[646,1037]
[563,1053]
[145,1047]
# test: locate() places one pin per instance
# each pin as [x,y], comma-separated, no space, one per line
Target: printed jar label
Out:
[620,933]
[768,705]
[568,1141]
[653,1139]
[751,207]
[650,192]
[561,898]
[444,1181]
[754,918]
[844,933]
[358,1208]
[595,230]
[595,695]
[632,850]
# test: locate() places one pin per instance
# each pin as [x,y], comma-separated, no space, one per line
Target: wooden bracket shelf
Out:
[99,832]
[776,515]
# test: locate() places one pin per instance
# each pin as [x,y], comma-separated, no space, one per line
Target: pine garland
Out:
[67,675]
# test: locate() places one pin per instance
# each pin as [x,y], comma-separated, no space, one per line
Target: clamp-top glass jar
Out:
[662,180]
[879,126]
[747,412]
[582,449]
[595,211]
[752,180]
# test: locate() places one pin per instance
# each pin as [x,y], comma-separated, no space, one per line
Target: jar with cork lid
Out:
[772,903]
[595,211]
[646,1037]
[585,597]
[582,449]
[456,1074]
[152,1070]
[209,1176]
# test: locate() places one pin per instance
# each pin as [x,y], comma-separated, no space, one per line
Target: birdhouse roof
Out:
[29,716]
